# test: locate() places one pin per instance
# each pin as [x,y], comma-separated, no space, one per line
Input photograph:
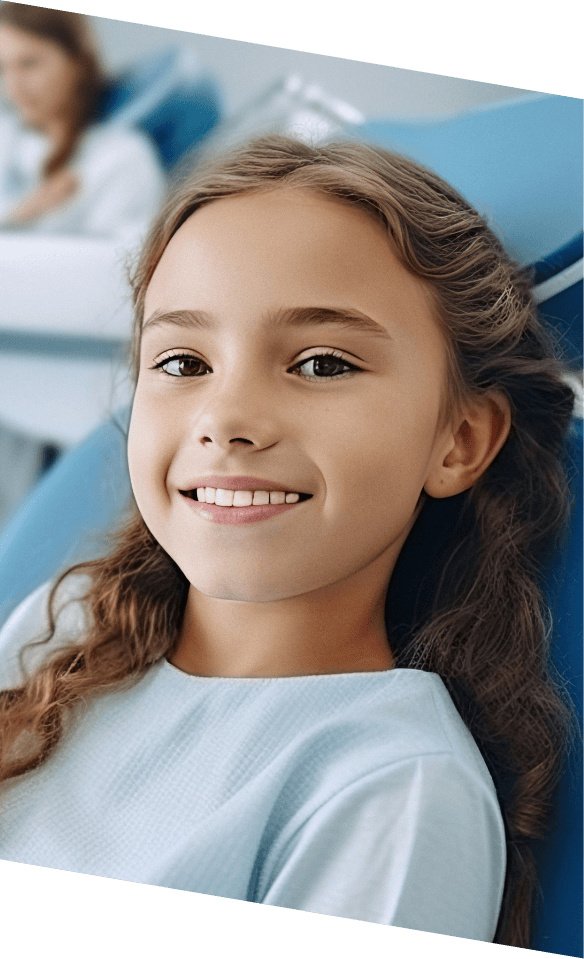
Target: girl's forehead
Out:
[283,242]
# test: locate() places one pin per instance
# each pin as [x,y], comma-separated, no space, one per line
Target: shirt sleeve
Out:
[30,621]
[122,184]
[418,844]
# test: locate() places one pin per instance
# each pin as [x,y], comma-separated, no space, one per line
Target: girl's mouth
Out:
[236,507]
[192,494]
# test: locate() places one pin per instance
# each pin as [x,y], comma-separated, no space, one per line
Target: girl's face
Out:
[283,341]
[38,77]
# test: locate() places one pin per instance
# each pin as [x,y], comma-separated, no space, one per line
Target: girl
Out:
[345,455]
[60,171]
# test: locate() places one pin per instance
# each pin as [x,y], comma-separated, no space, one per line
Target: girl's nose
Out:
[240,415]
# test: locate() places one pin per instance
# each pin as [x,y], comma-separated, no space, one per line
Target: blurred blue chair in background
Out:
[520,164]
[168,96]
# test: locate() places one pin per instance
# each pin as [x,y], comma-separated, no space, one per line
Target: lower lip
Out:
[236,515]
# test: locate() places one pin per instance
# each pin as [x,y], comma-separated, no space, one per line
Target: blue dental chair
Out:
[168,96]
[520,164]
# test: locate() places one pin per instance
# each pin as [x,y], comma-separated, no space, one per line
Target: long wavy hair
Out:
[477,616]
[71,33]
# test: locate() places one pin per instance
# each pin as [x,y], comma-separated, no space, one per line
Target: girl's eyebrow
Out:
[348,319]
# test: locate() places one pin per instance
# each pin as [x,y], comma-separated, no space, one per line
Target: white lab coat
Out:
[122,182]
[81,245]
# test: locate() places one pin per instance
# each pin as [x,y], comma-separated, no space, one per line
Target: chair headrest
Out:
[519,163]
[169,96]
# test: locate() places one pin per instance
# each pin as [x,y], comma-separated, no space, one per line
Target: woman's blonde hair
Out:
[71,33]
[477,616]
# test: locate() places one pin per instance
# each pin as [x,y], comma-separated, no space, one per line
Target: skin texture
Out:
[302,592]
[39,80]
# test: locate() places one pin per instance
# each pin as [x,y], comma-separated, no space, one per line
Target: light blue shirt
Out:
[360,795]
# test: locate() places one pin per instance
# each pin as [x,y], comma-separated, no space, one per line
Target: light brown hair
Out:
[477,616]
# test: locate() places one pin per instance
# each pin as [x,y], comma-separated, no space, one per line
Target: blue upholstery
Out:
[563,310]
[67,515]
[521,164]
[559,911]
[167,96]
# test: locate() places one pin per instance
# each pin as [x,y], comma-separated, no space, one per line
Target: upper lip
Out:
[239,482]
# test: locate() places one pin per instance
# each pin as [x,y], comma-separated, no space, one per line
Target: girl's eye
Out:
[180,365]
[322,363]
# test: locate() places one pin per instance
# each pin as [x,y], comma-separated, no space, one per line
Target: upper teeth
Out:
[244,497]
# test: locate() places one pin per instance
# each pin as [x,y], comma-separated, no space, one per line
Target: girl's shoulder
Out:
[29,622]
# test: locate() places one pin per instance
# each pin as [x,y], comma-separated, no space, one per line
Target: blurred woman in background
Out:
[61,171]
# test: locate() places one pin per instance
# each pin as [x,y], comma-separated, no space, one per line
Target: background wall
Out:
[245,69]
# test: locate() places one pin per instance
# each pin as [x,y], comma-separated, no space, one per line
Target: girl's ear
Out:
[472,447]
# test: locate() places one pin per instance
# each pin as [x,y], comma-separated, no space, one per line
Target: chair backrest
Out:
[167,95]
[558,926]
[67,517]
[518,162]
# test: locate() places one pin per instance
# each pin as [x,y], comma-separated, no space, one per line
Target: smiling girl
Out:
[259,693]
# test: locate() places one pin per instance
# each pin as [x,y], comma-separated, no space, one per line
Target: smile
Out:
[239,498]
[226,506]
